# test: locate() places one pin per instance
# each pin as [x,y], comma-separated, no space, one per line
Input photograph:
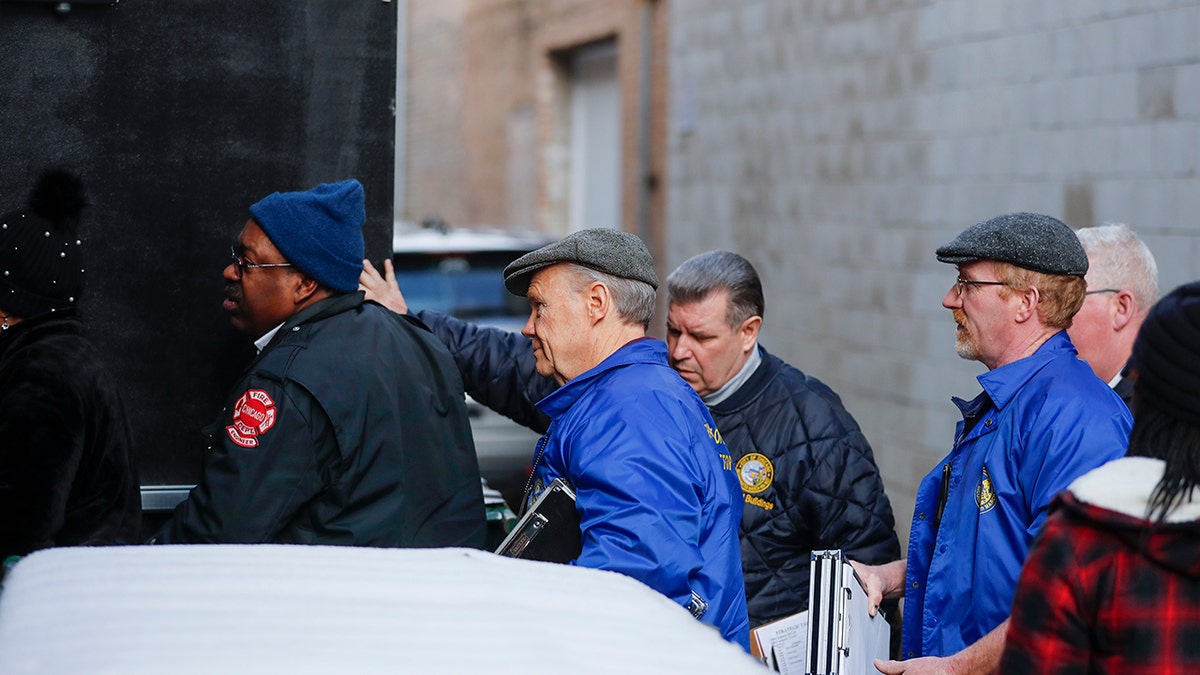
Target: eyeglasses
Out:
[1103,290]
[242,264]
[961,284]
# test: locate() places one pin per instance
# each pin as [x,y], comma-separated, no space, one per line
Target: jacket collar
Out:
[61,321]
[767,369]
[743,375]
[645,350]
[322,309]
[1003,383]
[1125,485]
[1114,498]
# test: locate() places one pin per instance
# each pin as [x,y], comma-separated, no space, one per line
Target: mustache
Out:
[233,292]
[960,317]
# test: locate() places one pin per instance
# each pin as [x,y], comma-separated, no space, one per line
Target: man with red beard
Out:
[349,427]
[1042,419]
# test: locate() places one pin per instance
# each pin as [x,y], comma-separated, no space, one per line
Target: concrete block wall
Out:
[837,143]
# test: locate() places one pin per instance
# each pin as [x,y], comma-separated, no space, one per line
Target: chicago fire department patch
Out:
[253,415]
[755,473]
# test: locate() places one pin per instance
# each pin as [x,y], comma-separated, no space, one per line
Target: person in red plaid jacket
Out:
[1112,584]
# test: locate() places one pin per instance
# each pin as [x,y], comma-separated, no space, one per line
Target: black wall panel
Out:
[179,114]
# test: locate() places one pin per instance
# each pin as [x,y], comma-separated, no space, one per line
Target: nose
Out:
[231,272]
[679,348]
[527,329]
[952,300]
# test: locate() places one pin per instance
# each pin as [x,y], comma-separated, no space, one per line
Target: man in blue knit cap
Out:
[349,427]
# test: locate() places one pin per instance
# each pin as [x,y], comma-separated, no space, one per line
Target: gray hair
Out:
[1120,260]
[634,299]
[700,275]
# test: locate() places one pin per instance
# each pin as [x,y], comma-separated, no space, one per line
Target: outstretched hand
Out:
[382,288]
[928,665]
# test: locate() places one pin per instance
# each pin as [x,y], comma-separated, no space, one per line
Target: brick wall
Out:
[836,144]
[487,107]
[435,160]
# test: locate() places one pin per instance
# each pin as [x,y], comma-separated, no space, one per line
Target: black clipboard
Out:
[549,530]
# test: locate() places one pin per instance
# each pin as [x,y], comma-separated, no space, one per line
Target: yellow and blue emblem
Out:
[985,496]
[755,472]
[535,490]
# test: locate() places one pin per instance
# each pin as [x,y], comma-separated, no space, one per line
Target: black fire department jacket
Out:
[349,428]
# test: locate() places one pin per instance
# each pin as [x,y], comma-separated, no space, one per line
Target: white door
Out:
[595,197]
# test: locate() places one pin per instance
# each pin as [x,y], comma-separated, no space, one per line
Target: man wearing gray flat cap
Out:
[807,473]
[655,491]
[1042,419]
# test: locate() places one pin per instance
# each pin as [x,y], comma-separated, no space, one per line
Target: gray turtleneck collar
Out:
[736,381]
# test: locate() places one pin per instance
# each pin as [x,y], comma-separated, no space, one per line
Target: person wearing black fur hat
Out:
[67,473]
[350,426]
[1112,584]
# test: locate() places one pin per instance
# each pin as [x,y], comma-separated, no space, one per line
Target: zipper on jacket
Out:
[943,496]
[537,458]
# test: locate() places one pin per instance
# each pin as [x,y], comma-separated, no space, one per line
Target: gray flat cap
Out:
[604,249]
[1029,240]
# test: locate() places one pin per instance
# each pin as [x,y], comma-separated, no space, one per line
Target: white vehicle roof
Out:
[408,238]
[326,609]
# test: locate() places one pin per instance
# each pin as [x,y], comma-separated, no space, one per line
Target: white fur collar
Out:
[1124,485]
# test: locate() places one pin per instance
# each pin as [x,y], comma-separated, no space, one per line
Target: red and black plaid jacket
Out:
[1105,592]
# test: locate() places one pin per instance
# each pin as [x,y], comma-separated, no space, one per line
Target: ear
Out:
[1027,302]
[598,300]
[1121,309]
[748,332]
[303,289]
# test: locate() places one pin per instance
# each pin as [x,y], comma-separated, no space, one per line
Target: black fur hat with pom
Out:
[41,264]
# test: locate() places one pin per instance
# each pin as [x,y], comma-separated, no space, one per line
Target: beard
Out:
[965,344]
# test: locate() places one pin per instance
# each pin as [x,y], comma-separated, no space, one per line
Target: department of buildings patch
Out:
[755,473]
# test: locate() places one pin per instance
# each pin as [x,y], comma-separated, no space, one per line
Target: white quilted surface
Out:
[302,609]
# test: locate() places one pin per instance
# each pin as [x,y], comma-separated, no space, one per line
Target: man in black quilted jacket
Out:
[808,475]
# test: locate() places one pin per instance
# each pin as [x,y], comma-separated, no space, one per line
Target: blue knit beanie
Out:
[318,231]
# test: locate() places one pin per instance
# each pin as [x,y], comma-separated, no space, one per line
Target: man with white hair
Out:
[807,473]
[1122,282]
[654,483]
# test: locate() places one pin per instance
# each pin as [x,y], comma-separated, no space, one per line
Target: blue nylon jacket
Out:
[1040,422]
[826,492]
[657,497]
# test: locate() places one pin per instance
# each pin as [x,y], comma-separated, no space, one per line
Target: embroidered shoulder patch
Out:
[253,415]
[755,473]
